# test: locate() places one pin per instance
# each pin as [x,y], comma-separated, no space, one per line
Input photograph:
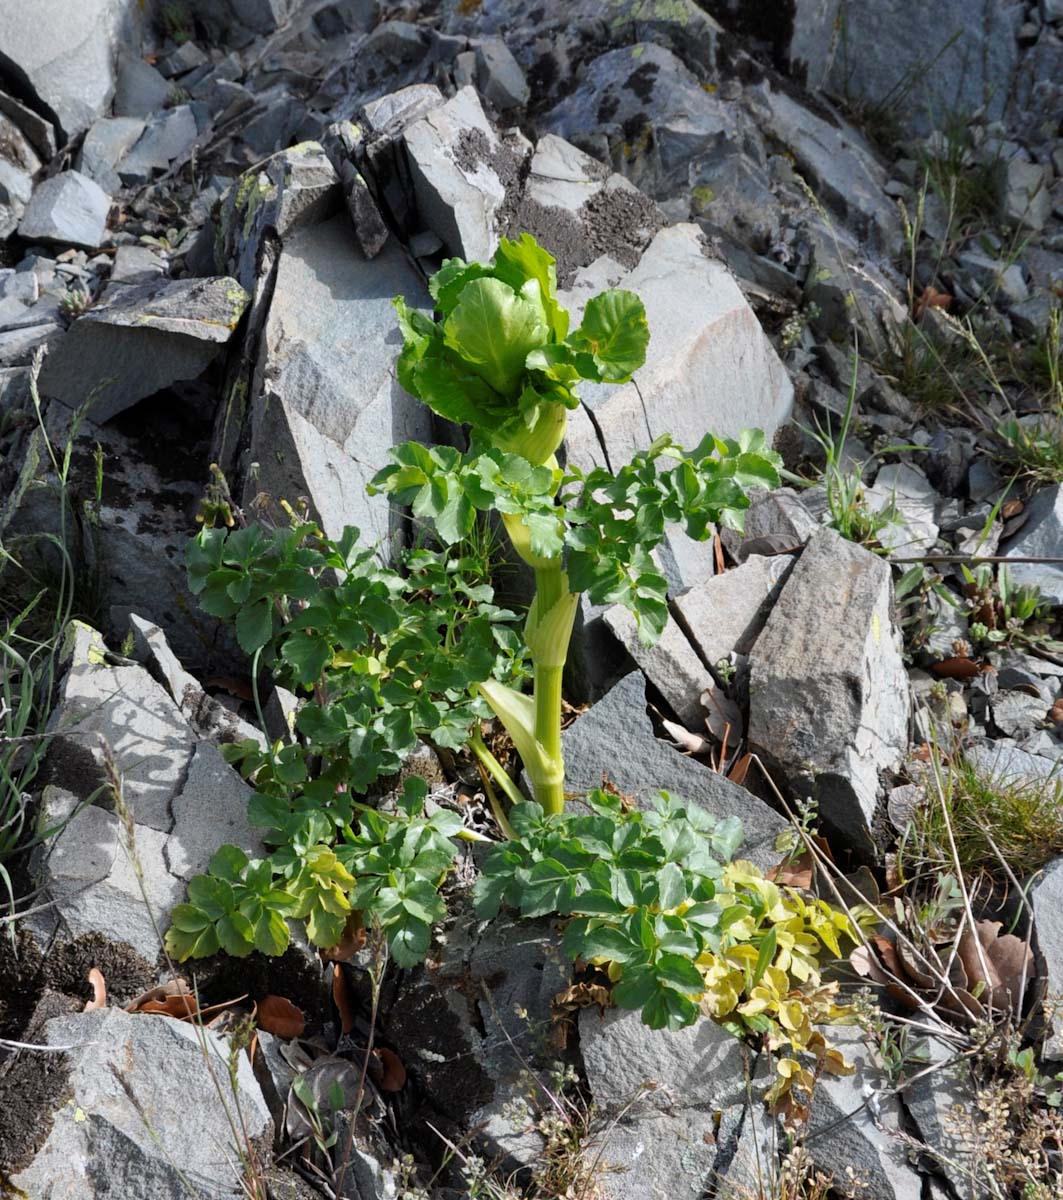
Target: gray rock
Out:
[65,55]
[90,873]
[989,276]
[828,689]
[140,89]
[167,138]
[455,160]
[922,61]
[19,163]
[725,614]
[330,406]
[17,346]
[856,1126]
[68,208]
[906,492]
[836,162]
[1023,193]
[616,738]
[941,1105]
[499,76]
[210,810]
[1017,713]
[106,142]
[143,1116]
[664,1142]
[1002,761]
[780,516]
[294,188]
[671,664]
[1040,537]
[1046,898]
[39,132]
[124,709]
[152,334]
[369,226]
[136,264]
[708,367]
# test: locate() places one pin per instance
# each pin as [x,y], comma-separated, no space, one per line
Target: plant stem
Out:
[551,587]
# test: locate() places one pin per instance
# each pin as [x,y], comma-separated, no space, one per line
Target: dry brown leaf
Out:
[280,1016]
[172,987]
[1007,959]
[99,990]
[181,1008]
[956,668]
[350,943]
[717,550]
[1012,508]
[341,997]
[386,1070]
[795,872]
[1055,713]
[931,297]
[724,720]
[740,769]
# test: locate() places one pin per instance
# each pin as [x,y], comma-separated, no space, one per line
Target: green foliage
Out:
[1004,612]
[389,869]
[501,358]
[389,658]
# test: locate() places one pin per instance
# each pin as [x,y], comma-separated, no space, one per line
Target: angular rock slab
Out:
[144,1118]
[671,664]
[725,614]
[829,699]
[617,738]
[141,339]
[330,407]
[1040,537]
[1046,897]
[68,208]
[64,53]
[709,365]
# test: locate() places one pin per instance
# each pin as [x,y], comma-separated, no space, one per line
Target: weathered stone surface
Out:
[141,339]
[725,614]
[1046,900]
[1024,195]
[499,75]
[670,664]
[828,689]
[210,810]
[780,515]
[907,492]
[139,90]
[19,162]
[144,1118]
[459,169]
[924,61]
[709,365]
[942,1104]
[88,872]
[845,1137]
[123,708]
[330,406]
[65,54]
[39,131]
[168,137]
[106,142]
[1040,537]
[68,208]
[837,163]
[293,188]
[617,738]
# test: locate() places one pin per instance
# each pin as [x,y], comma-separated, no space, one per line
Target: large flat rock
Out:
[330,406]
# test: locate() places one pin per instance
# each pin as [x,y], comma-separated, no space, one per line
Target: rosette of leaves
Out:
[388,867]
[682,931]
[499,357]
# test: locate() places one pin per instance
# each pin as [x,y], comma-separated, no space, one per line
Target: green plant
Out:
[681,930]
[1004,612]
[999,825]
[1033,446]
[502,361]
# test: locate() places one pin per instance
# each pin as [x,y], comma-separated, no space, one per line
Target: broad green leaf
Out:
[228,863]
[494,329]
[637,986]
[615,333]
[516,262]
[254,626]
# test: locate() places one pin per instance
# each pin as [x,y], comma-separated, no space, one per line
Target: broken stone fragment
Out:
[670,664]
[709,365]
[1040,537]
[106,142]
[615,738]
[143,1114]
[828,691]
[139,340]
[68,208]
[331,408]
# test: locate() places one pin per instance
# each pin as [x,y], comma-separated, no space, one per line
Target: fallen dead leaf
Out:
[99,990]
[341,996]
[386,1070]
[956,668]
[280,1016]
[350,943]
[1011,508]
[931,297]
[1055,713]
[794,872]
[740,769]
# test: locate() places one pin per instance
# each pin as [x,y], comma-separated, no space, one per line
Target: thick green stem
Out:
[551,585]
